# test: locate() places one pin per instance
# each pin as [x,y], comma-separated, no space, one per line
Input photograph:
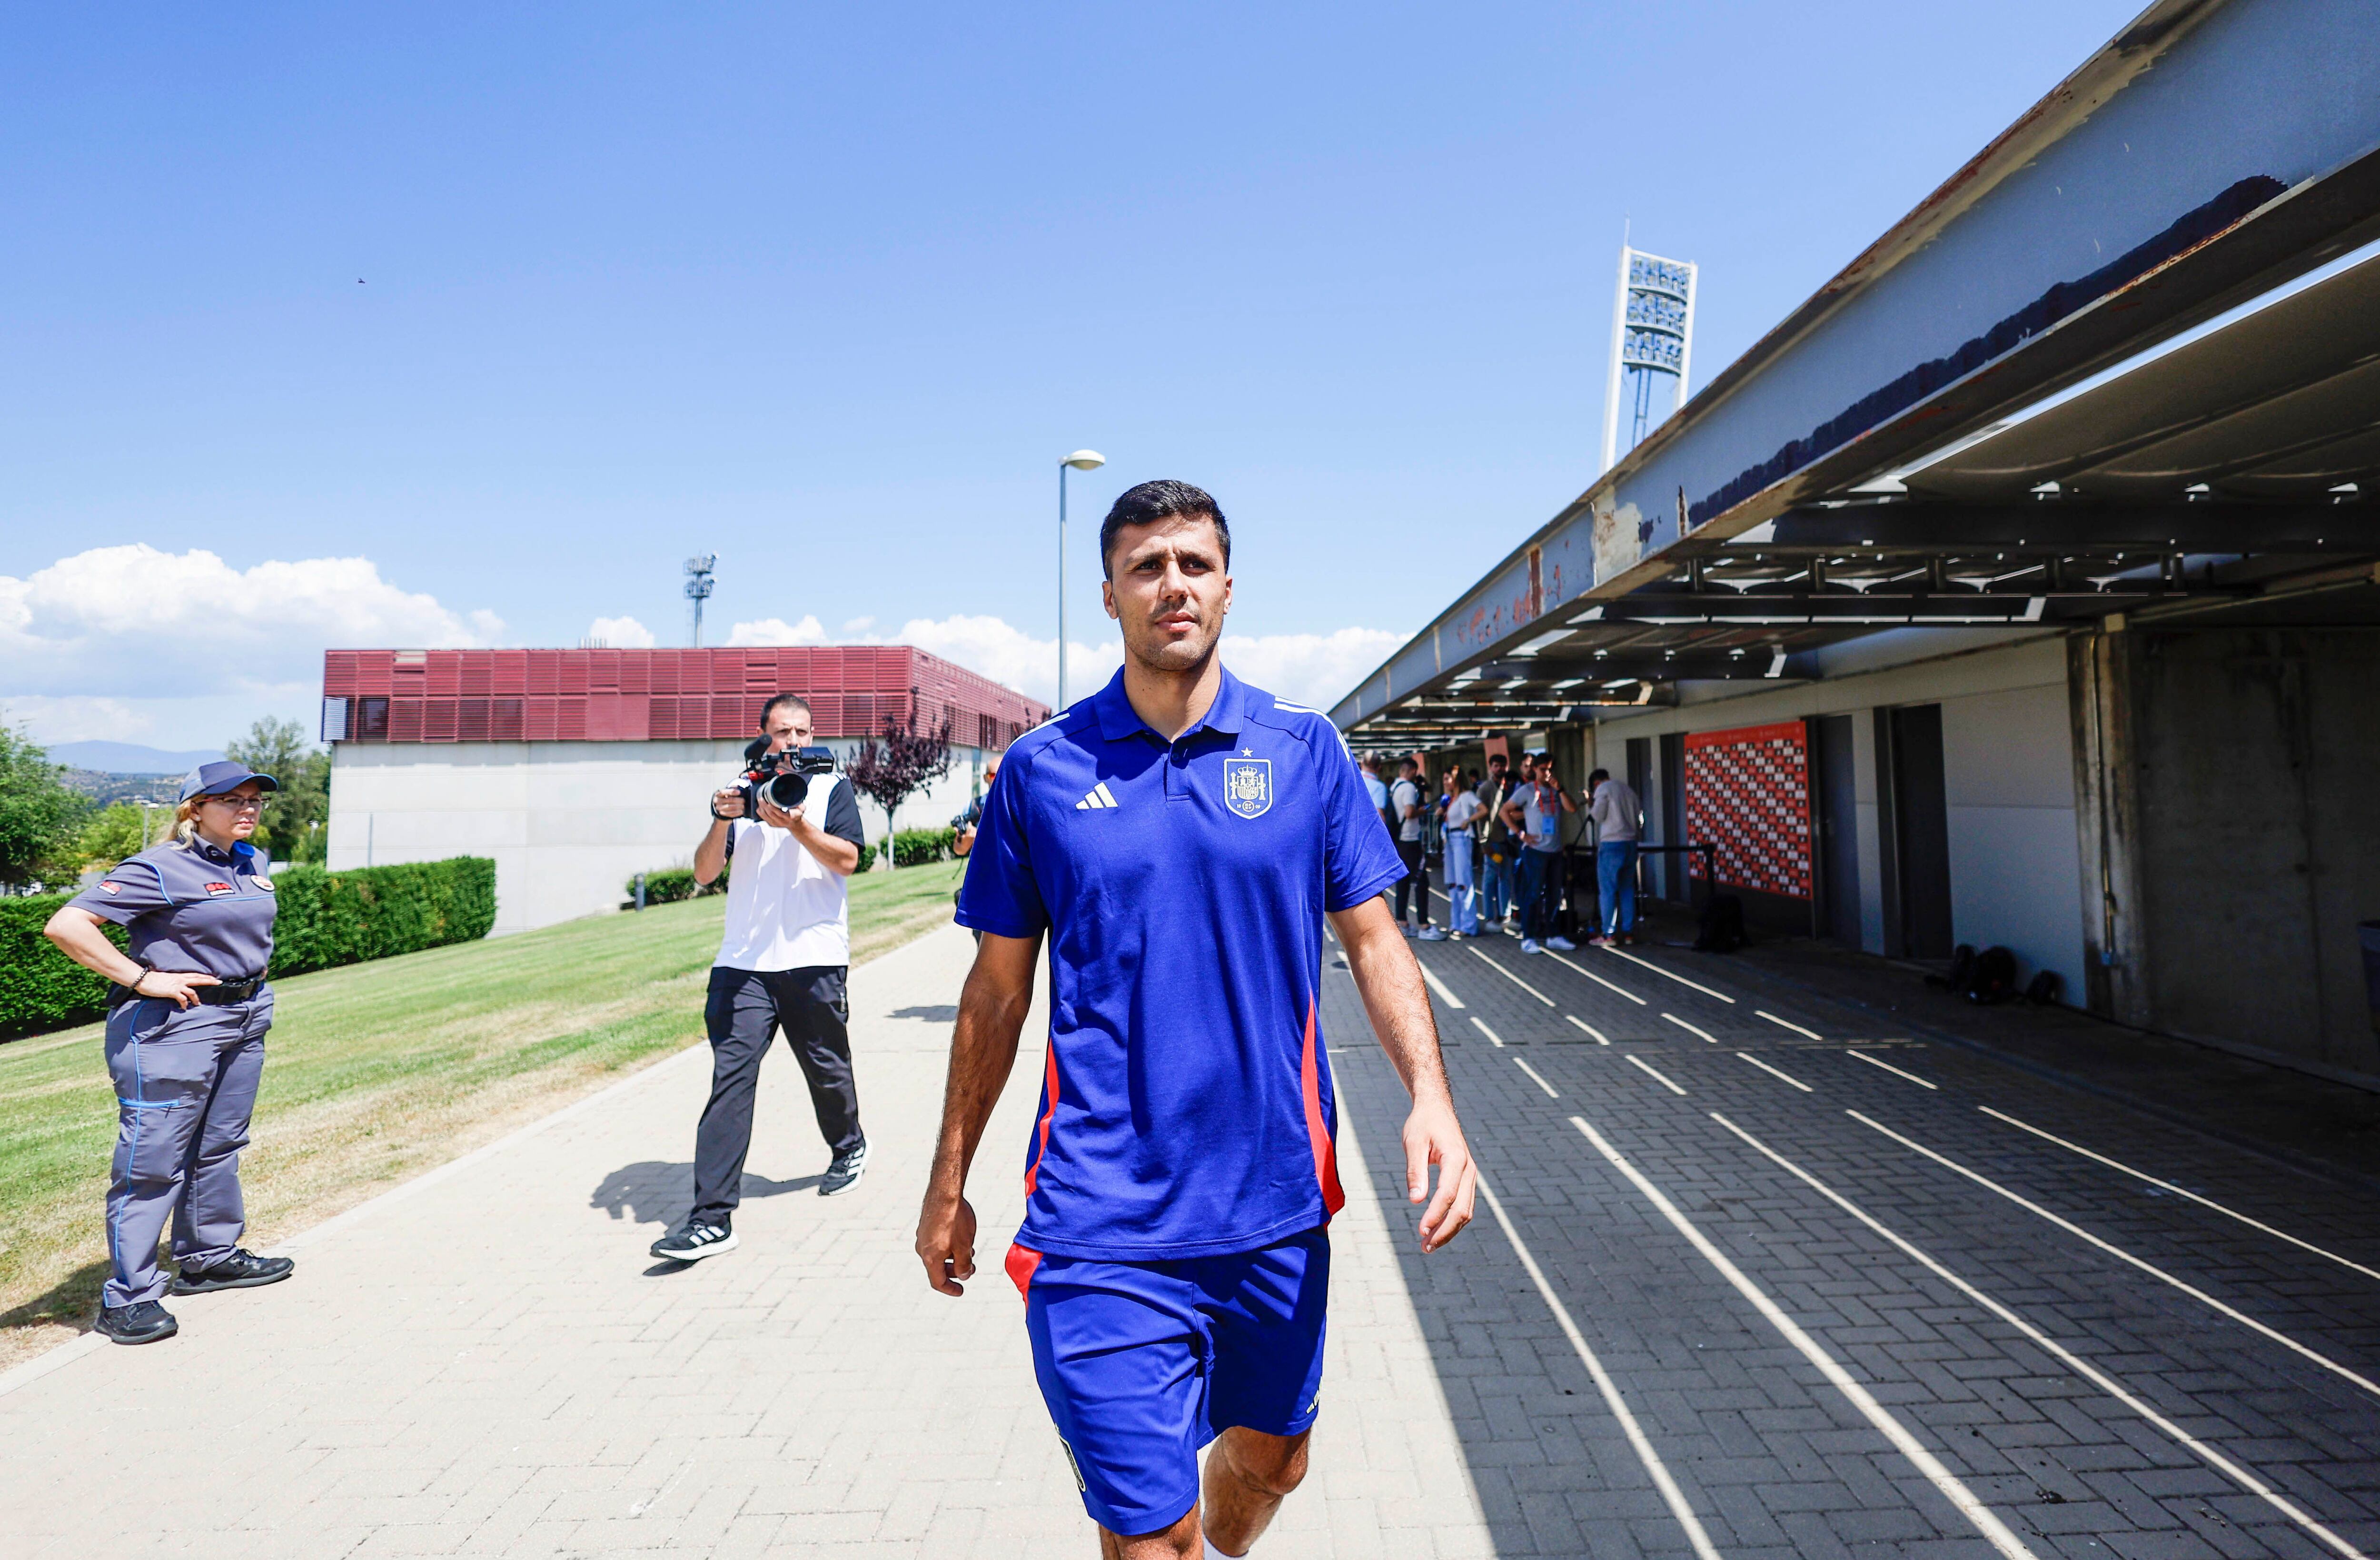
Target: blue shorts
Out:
[1142,1364]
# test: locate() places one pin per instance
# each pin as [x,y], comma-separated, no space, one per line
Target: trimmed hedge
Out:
[918,848]
[326,919]
[670,885]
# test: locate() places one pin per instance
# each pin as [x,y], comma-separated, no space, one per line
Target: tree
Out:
[112,834]
[294,821]
[39,816]
[888,770]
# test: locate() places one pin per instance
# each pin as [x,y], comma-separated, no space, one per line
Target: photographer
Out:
[781,964]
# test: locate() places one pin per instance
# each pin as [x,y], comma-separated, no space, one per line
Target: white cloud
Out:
[776,630]
[130,622]
[75,720]
[1316,669]
[620,633]
[1312,669]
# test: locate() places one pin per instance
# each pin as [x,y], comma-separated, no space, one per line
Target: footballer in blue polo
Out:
[1179,839]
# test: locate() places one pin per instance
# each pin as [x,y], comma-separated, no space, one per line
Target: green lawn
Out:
[379,1071]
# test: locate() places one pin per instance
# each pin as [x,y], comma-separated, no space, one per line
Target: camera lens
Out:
[789,790]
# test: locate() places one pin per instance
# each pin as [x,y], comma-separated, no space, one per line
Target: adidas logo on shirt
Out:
[1101,796]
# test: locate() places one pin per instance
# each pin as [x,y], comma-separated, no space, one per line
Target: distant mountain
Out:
[129,758]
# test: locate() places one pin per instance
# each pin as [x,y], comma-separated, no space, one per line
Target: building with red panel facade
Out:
[577,769]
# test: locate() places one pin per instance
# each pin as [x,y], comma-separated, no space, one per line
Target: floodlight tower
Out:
[1652,335]
[697,588]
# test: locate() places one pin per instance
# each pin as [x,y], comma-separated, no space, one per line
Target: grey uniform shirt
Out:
[191,907]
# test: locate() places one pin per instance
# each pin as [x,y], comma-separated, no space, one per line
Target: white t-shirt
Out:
[1463,809]
[1402,795]
[785,909]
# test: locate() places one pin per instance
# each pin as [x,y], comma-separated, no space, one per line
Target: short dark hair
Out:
[1497,758]
[771,707]
[1147,502]
[1599,776]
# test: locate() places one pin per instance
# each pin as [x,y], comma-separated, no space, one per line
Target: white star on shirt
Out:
[1247,752]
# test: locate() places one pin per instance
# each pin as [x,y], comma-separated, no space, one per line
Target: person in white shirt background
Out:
[1618,817]
[781,964]
[1462,813]
[1408,806]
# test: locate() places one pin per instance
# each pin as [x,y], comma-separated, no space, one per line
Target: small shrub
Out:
[918,848]
[672,884]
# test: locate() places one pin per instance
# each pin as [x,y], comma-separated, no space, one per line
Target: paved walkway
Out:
[1761,1278]
[1857,1295]
[487,1362]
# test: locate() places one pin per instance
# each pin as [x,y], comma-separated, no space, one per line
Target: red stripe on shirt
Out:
[1022,1264]
[1049,1109]
[1326,1153]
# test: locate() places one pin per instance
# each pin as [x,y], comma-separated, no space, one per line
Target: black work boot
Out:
[241,1270]
[142,1321]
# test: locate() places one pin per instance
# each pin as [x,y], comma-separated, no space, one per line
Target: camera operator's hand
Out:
[779,818]
[727,802]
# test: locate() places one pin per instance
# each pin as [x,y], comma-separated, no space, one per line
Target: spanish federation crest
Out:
[1248,786]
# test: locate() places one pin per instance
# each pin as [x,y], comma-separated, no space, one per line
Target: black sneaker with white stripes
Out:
[696,1239]
[845,1173]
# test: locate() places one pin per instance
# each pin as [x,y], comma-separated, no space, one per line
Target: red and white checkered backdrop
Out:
[1748,792]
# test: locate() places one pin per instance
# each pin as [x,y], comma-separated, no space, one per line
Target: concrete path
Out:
[487,1362]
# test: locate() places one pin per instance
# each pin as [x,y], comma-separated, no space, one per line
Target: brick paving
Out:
[1771,1457]
[490,1366]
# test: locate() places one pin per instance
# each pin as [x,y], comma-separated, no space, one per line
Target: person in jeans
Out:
[1495,872]
[1618,816]
[1407,806]
[1534,813]
[782,965]
[1462,814]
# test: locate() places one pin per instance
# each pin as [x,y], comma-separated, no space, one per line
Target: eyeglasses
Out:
[240,804]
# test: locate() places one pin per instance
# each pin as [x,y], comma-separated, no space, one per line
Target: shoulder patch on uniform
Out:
[111,888]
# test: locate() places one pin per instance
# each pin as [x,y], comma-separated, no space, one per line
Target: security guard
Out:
[185,1045]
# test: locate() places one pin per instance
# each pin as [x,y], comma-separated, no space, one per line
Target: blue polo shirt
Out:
[1186,1107]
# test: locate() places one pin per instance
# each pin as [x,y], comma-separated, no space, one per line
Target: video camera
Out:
[783,777]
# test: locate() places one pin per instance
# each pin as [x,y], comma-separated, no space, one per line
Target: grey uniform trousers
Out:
[185,1087]
[744,1010]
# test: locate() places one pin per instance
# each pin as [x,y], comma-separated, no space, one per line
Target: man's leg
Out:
[1248,1474]
[1607,858]
[813,1006]
[741,1016]
[1625,911]
[1530,891]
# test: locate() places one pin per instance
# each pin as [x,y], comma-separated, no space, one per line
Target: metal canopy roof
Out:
[1878,461]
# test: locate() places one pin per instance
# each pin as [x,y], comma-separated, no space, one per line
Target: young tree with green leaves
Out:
[298,815]
[113,833]
[39,816]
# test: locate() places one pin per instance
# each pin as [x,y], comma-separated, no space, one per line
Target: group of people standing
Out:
[1506,861]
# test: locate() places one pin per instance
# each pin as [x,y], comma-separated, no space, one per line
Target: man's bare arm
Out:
[1389,979]
[993,1005]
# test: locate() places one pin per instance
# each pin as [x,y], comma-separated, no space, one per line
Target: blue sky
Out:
[521,305]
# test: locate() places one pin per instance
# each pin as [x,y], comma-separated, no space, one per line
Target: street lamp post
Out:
[1081,461]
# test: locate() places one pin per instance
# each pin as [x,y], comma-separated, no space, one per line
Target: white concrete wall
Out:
[568,823]
[2007,753]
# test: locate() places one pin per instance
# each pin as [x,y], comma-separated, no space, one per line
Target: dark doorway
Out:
[1640,780]
[1834,809]
[1673,868]
[1920,829]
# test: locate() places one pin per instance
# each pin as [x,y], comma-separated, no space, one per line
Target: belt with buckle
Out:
[223,994]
